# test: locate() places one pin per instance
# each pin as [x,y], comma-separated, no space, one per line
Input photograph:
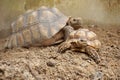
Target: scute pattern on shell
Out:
[35,26]
[88,36]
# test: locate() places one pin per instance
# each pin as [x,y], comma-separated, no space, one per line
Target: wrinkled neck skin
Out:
[76,27]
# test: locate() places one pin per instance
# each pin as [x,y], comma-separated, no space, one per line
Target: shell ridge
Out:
[32,38]
[25,43]
[16,40]
[10,42]
[20,35]
[40,37]
[54,27]
[25,21]
[55,15]
[23,37]
[6,44]
[49,31]
[39,33]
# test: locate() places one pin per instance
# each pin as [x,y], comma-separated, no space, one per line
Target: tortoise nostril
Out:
[81,40]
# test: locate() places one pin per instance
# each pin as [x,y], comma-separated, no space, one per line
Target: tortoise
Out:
[42,27]
[82,40]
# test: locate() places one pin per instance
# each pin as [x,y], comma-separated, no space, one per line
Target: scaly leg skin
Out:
[64,46]
[93,54]
[74,44]
[67,30]
[63,34]
[67,45]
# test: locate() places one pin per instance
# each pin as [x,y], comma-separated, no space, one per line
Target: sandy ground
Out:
[46,64]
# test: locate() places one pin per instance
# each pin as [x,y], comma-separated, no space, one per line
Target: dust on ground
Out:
[47,64]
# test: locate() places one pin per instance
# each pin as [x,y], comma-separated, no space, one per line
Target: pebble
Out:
[51,63]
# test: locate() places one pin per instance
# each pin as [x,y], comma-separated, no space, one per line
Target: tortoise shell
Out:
[35,26]
[85,35]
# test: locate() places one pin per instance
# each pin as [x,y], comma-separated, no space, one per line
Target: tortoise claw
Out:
[63,47]
[93,54]
[97,60]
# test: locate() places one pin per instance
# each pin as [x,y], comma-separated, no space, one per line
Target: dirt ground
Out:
[47,64]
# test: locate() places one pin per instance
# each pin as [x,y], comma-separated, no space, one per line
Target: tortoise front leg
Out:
[64,46]
[67,30]
[74,44]
[93,54]
[62,35]
[57,37]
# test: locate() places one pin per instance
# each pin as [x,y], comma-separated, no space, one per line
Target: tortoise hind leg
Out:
[93,54]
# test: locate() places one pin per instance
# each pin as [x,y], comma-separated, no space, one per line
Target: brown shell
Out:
[86,35]
[36,26]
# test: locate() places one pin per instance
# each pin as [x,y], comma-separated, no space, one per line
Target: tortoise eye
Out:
[82,40]
[74,19]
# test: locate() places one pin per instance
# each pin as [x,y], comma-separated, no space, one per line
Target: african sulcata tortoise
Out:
[43,27]
[82,40]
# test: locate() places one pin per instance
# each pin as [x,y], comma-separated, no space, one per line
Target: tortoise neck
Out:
[77,27]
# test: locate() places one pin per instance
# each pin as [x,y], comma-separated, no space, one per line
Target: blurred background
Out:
[102,11]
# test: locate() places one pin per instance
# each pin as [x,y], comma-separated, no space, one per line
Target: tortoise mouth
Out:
[77,26]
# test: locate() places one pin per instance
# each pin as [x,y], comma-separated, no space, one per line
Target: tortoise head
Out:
[74,22]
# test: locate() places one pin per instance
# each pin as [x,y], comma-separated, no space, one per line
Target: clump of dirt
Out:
[47,64]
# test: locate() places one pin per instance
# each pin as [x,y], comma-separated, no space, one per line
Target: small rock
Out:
[98,75]
[1,72]
[51,63]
